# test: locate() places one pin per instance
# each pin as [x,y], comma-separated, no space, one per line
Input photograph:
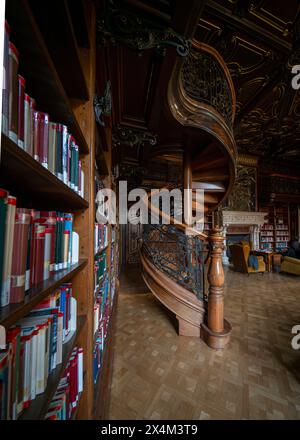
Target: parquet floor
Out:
[159,375]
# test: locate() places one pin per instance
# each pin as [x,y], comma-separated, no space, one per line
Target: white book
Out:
[75,247]
[59,340]
[47,256]
[26,382]
[82,184]
[80,370]
[34,357]
[65,154]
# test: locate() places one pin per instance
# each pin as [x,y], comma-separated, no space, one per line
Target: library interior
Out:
[103,318]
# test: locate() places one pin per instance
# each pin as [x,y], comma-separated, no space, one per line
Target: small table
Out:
[267,257]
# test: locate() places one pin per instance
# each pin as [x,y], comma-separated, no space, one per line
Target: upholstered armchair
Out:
[239,256]
[290,265]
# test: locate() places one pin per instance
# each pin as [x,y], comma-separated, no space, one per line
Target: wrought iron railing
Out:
[179,255]
[204,80]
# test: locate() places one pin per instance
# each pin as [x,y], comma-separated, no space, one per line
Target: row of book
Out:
[66,399]
[48,142]
[34,349]
[33,245]
[101,304]
[100,237]
[100,269]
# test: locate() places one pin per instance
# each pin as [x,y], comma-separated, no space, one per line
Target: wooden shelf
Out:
[102,385]
[62,44]
[39,406]
[34,185]
[36,65]
[12,313]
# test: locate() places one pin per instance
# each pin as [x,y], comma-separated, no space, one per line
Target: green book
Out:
[3,210]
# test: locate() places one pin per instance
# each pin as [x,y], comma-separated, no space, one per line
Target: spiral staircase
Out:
[201,100]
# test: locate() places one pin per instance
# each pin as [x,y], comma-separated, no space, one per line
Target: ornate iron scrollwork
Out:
[204,81]
[122,26]
[179,255]
[132,137]
[103,104]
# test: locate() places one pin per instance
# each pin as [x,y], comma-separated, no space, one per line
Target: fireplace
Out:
[241,225]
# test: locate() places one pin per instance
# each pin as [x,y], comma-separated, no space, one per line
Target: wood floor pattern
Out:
[159,375]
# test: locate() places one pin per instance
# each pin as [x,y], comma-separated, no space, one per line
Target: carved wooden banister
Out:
[215,331]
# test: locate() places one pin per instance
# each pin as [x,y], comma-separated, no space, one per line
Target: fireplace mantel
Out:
[253,219]
[243,218]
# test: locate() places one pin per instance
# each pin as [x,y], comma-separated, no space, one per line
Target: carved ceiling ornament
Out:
[103,104]
[122,26]
[132,137]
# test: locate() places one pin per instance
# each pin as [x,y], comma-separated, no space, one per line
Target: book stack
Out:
[102,312]
[66,398]
[101,237]
[98,353]
[100,307]
[34,349]
[48,142]
[33,245]
[100,269]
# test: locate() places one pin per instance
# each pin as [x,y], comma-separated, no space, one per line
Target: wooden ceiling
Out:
[259,41]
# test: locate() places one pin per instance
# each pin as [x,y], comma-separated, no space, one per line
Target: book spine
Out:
[61,242]
[39,257]
[44,140]
[18,274]
[8,248]
[79,178]
[36,131]
[27,123]
[5,84]
[3,213]
[68,226]
[69,159]
[59,149]
[66,241]
[65,153]
[21,96]
[48,235]
[13,92]
[52,147]
[76,170]
[32,111]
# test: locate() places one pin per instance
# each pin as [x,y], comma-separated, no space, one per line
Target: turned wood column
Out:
[215,276]
[216,330]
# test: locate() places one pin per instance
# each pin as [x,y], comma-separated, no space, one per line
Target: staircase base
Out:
[187,329]
[215,340]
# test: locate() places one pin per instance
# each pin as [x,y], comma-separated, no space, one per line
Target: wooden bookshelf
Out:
[37,66]
[12,313]
[39,406]
[275,234]
[34,185]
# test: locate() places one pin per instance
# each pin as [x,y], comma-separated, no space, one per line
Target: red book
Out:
[50,220]
[41,137]
[21,115]
[19,260]
[39,253]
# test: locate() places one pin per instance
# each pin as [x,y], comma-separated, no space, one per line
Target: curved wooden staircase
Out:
[201,100]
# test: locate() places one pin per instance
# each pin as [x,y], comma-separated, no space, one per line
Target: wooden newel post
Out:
[216,330]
